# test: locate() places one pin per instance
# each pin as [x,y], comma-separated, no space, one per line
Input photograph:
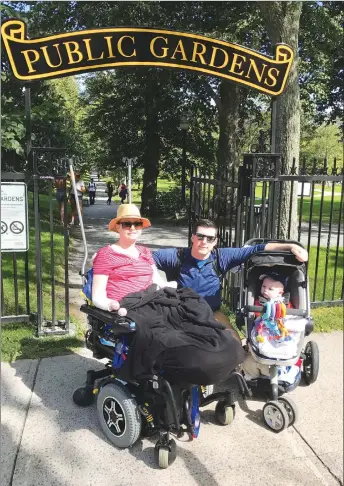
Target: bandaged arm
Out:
[159,281]
[99,298]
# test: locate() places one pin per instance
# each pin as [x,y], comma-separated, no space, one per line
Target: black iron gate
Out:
[248,203]
[34,284]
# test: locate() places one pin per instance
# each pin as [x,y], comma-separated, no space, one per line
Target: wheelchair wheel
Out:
[83,397]
[311,363]
[224,413]
[119,415]
[165,455]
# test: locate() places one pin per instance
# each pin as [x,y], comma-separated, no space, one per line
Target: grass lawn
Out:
[327,206]
[330,289]
[58,253]
[164,185]
[18,339]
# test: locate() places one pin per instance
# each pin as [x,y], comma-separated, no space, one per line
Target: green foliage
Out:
[322,143]
[170,202]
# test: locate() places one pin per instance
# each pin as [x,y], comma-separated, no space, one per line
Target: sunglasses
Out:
[129,224]
[210,239]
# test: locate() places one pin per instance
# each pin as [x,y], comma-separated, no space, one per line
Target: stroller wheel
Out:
[311,363]
[165,455]
[275,416]
[291,409]
[119,415]
[224,413]
[83,396]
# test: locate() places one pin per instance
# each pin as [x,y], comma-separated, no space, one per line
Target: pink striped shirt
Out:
[126,274]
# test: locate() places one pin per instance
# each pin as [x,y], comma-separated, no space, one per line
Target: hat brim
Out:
[114,222]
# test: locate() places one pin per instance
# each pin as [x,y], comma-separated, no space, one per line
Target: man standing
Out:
[80,189]
[92,191]
[201,267]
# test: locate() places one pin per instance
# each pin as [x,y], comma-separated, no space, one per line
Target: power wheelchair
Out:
[147,407]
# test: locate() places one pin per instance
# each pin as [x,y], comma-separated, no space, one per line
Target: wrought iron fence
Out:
[23,298]
[265,199]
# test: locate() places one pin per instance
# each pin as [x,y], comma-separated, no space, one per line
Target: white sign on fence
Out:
[305,190]
[14,217]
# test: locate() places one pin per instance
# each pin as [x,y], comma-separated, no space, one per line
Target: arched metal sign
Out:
[98,49]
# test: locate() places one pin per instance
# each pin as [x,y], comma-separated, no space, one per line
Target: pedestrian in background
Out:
[92,191]
[123,191]
[109,192]
[80,189]
[61,195]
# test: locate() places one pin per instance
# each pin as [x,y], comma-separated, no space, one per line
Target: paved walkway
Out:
[47,440]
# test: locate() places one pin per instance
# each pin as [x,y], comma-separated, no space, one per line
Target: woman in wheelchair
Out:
[124,267]
[158,368]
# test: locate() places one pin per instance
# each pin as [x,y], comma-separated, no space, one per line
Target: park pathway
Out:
[47,440]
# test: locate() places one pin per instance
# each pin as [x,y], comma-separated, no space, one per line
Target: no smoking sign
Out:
[14,217]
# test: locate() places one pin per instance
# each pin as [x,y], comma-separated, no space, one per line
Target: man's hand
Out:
[114,306]
[300,253]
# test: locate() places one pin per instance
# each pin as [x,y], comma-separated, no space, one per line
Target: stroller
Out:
[279,412]
[153,405]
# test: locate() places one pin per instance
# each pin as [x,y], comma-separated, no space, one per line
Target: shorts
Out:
[60,196]
[72,197]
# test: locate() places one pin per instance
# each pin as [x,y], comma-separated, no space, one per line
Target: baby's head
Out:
[272,286]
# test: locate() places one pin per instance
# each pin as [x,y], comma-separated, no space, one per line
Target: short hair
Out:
[204,223]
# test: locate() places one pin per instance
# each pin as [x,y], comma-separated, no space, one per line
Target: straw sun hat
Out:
[128,212]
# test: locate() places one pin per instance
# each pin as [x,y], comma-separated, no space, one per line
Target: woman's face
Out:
[129,230]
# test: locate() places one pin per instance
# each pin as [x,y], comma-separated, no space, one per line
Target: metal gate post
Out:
[38,246]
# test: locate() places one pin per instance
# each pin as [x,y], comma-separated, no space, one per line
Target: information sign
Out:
[14,217]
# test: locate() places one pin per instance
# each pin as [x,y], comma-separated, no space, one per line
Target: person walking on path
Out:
[123,191]
[92,191]
[109,193]
[61,194]
[80,189]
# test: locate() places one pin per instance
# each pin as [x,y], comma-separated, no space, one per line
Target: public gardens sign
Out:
[93,50]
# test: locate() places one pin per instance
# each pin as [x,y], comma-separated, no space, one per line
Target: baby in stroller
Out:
[276,310]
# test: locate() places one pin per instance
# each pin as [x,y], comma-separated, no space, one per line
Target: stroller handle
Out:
[257,241]
[290,312]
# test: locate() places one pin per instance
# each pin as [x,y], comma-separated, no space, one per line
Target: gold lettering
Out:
[152,46]
[195,52]
[270,75]
[109,45]
[255,69]
[47,58]
[29,61]
[213,55]
[180,50]
[235,64]
[71,51]
[119,46]
[89,52]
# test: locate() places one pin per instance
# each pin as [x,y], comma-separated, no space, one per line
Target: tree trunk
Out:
[282,20]
[228,150]
[151,167]
[152,149]
[229,146]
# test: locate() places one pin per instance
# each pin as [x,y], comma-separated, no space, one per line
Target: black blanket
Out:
[178,336]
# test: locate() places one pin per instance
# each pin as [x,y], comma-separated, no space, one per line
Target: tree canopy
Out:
[137,112]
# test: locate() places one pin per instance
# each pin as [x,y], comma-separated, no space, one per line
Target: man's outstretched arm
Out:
[300,253]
